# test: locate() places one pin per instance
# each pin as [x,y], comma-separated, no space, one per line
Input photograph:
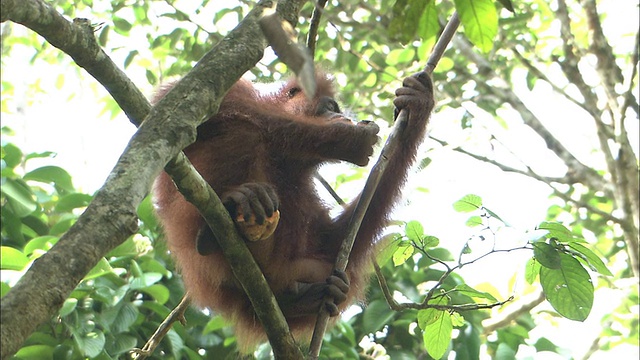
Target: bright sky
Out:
[67,119]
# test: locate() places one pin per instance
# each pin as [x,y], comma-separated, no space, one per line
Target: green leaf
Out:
[52,174]
[568,289]
[73,201]
[90,344]
[531,271]
[480,21]
[495,216]
[400,56]
[388,248]
[471,292]
[544,344]
[12,259]
[69,305]
[35,352]
[102,268]
[11,154]
[558,231]
[430,241]
[39,155]
[4,289]
[20,199]
[122,343]
[159,292]
[216,323]
[468,203]
[122,317]
[121,25]
[591,258]
[147,279]
[151,265]
[12,225]
[127,248]
[130,57]
[42,243]
[375,316]
[437,335]
[151,77]
[456,319]
[414,231]
[427,317]
[546,255]
[474,221]
[402,254]
[428,25]
[507,5]
[176,342]
[505,352]
[103,38]
[405,19]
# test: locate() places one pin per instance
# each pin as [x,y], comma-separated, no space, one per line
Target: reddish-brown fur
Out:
[276,139]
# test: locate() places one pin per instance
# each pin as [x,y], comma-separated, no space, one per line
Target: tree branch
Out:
[395,306]
[511,313]
[177,314]
[378,170]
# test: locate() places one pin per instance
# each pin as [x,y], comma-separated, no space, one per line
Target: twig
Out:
[495,323]
[394,305]
[327,186]
[177,314]
[314,25]
[377,171]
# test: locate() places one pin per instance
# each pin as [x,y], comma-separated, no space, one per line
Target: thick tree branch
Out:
[168,128]
[626,163]
[621,163]
[610,73]
[630,100]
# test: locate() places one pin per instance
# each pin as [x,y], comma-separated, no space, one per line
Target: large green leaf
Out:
[375,316]
[406,16]
[547,255]
[20,199]
[591,258]
[437,335]
[12,259]
[557,231]
[468,203]
[52,174]
[471,292]
[480,21]
[568,288]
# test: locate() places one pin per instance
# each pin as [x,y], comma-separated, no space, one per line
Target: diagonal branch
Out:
[378,170]
[512,313]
